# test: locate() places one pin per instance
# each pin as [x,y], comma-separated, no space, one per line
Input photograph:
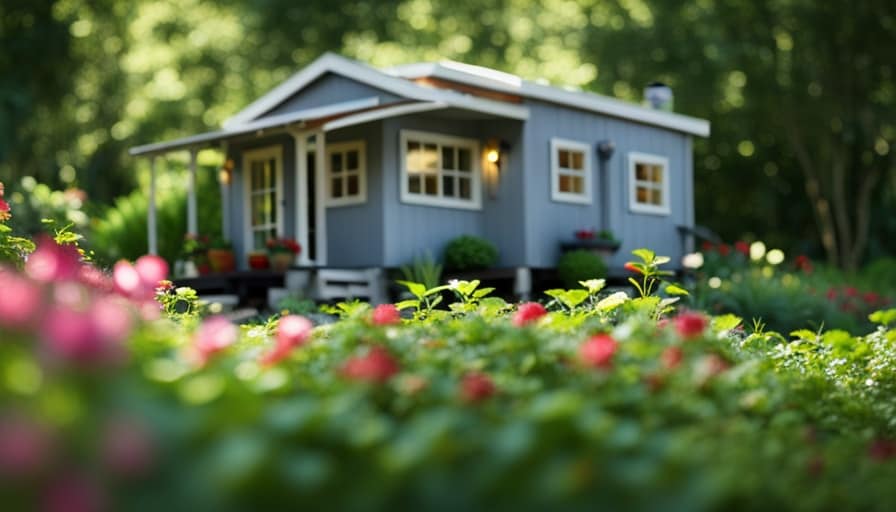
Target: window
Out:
[648,183]
[263,189]
[570,171]
[439,170]
[346,173]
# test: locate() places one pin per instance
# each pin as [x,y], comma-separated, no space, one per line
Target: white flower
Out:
[693,260]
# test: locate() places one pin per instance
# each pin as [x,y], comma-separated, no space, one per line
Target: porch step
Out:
[368,284]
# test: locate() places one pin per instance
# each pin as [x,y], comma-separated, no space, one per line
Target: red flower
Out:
[870,298]
[831,294]
[802,262]
[598,351]
[376,366]
[475,387]
[630,266]
[386,314]
[528,313]
[882,450]
[690,325]
[707,246]
[671,357]
[4,210]
[292,332]
[284,245]
[709,366]
[724,249]
[850,291]
[742,247]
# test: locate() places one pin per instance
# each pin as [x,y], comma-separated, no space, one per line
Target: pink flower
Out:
[139,281]
[386,314]
[20,300]
[376,366]
[71,334]
[151,270]
[4,210]
[476,387]
[112,319]
[73,493]
[598,351]
[690,325]
[53,262]
[214,335]
[93,277]
[671,357]
[709,366]
[292,331]
[24,447]
[127,447]
[528,313]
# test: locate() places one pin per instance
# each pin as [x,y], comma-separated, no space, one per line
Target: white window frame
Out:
[635,158]
[475,201]
[265,153]
[558,144]
[343,147]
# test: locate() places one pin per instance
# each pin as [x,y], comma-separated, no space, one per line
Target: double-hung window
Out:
[346,173]
[648,179]
[263,175]
[570,171]
[440,170]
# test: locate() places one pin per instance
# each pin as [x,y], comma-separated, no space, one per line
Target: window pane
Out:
[259,238]
[353,186]
[269,205]
[431,185]
[564,159]
[466,191]
[657,174]
[336,162]
[414,184]
[656,197]
[336,187]
[578,160]
[565,183]
[413,162]
[257,213]
[447,157]
[256,172]
[430,157]
[578,185]
[448,186]
[641,172]
[464,159]
[641,194]
[351,160]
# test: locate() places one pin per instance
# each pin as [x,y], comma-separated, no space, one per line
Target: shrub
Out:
[470,253]
[580,265]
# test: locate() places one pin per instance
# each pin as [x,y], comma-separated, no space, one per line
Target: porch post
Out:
[320,177]
[192,219]
[151,232]
[301,148]
[225,198]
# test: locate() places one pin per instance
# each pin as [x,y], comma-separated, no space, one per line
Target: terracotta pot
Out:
[259,261]
[221,260]
[282,260]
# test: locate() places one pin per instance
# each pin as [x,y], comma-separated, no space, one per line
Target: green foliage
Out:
[297,305]
[469,252]
[580,265]
[35,202]
[424,269]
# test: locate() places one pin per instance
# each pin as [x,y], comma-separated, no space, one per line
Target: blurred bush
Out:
[34,202]
[469,252]
[580,265]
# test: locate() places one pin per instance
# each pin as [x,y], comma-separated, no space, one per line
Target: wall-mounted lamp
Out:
[495,154]
[225,174]
[605,149]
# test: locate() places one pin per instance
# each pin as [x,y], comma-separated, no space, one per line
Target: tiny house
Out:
[367,168]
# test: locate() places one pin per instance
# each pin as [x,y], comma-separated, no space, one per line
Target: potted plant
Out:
[258,260]
[602,243]
[195,252]
[220,256]
[283,252]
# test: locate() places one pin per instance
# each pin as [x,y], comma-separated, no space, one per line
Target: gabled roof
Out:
[491,79]
[332,63]
[399,80]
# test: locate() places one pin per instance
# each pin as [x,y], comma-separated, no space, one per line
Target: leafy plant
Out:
[470,253]
[580,265]
[424,270]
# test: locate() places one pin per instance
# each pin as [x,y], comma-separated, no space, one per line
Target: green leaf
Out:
[594,285]
[674,289]
[612,301]
[418,290]
[660,260]
[405,304]
[569,298]
[725,322]
[646,255]
[883,317]
[803,334]
[482,292]
[437,289]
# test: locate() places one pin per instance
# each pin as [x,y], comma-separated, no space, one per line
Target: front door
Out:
[263,203]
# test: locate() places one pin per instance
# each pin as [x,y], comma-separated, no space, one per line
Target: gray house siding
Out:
[355,232]
[549,222]
[410,228]
[330,89]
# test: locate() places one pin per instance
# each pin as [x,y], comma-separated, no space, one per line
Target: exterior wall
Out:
[549,222]
[237,191]
[355,232]
[411,229]
[330,89]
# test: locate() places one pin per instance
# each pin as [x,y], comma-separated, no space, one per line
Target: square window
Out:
[570,171]
[448,172]
[649,185]
[345,171]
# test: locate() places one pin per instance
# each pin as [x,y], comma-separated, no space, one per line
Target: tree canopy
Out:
[801,94]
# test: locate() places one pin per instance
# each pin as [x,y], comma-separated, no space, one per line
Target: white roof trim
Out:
[332,63]
[383,113]
[504,82]
[262,124]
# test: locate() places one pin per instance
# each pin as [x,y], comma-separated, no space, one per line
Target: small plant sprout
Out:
[651,274]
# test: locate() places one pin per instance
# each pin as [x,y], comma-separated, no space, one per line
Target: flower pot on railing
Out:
[221,257]
[282,253]
[259,261]
[602,243]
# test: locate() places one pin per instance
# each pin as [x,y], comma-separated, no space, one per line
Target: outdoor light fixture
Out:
[226,172]
[605,149]
[492,155]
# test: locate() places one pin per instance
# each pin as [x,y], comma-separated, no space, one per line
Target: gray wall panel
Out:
[330,89]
